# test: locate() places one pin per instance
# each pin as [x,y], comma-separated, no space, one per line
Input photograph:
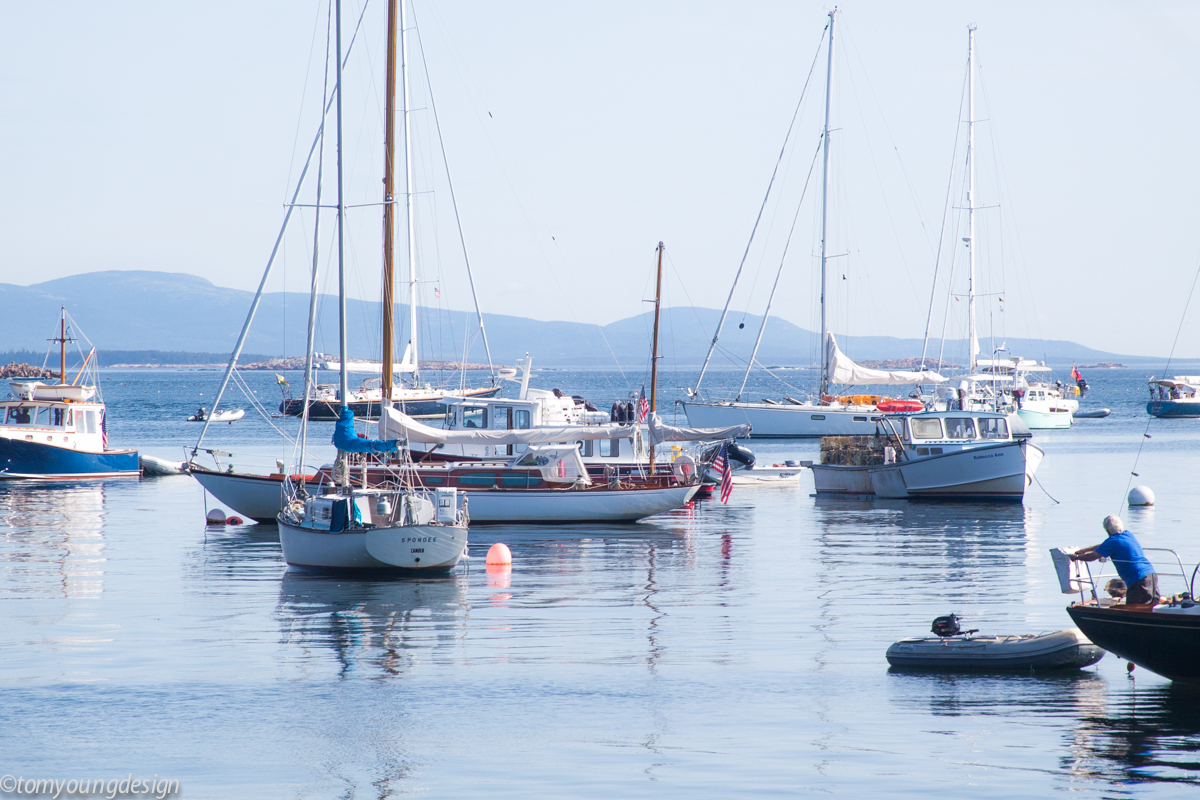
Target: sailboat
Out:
[58,431]
[830,415]
[402,526]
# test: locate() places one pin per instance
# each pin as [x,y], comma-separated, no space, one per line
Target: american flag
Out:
[437,293]
[643,405]
[103,430]
[721,464]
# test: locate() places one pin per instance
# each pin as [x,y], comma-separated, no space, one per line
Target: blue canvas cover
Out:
[346,439]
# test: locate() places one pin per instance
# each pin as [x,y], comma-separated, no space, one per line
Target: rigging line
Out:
[495,130]
[875,165]
[779,272]
[937,261]
[453,198]
[303,94]
[721,324]
[953,262]
[237,349]
[1166,371]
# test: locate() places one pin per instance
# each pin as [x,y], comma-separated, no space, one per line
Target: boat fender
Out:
[235,521]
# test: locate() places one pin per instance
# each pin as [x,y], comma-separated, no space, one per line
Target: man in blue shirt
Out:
[1127,556]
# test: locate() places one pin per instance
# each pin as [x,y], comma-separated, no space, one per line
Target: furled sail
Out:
[347,440]
[661,432]
[841,369]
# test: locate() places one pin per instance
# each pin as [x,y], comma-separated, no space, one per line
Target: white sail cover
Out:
[841,369]
[661,432]
[397,425]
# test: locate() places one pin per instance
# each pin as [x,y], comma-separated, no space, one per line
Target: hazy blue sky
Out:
[167,135]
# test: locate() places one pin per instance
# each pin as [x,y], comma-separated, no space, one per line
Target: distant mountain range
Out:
[174,312]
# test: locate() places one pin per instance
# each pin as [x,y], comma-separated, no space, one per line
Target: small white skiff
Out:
[1060,650]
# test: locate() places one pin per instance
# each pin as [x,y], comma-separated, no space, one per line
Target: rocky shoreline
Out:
[15,370]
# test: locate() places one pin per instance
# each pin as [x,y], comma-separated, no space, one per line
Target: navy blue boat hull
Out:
[1171,409]
[22,460]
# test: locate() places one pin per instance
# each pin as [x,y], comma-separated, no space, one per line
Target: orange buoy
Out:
[499,554]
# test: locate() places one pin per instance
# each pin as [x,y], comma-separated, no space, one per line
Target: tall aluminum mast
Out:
[408,201]
[825,215]
[341,223]
[974,343]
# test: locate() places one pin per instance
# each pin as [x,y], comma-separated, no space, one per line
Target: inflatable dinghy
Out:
[1099,413]
[1040,652]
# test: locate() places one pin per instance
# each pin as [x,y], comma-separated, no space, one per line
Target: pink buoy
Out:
[499,554]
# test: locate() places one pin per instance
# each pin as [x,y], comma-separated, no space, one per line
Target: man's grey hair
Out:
[1113,524]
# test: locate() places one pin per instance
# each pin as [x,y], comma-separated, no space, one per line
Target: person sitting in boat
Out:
[1141,581]
[201,414]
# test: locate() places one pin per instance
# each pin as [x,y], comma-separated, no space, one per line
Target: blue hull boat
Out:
[1173,409]
[22,460]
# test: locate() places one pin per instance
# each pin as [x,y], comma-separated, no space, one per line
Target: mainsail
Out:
[841,369]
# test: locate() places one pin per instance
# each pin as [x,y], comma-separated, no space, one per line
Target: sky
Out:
[169,137]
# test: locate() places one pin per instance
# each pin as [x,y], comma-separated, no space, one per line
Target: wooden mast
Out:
[654,351]
[389,207]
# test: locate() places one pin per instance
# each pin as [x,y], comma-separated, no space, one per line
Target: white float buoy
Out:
[1141,496]
[215,516]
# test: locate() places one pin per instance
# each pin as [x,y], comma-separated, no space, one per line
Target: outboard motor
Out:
[948,626]
[740,454]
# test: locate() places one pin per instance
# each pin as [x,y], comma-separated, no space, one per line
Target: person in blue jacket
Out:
[1132,565]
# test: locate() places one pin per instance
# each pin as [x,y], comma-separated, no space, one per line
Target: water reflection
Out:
[370,628]
[52,539]
[1142,736]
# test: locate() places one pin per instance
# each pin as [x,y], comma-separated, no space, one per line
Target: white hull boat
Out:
[1060,650]
[409,536]
[960,455]
[783,422]
[232,415]
[568,506]
[1048,419]
[258,497]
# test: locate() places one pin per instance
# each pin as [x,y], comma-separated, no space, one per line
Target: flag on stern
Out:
[1076,375]
[721,464]
[282,381]
[643,405]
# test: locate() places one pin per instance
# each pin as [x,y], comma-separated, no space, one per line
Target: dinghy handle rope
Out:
[1166,371]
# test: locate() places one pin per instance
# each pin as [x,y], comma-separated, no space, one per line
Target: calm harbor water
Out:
[717,651]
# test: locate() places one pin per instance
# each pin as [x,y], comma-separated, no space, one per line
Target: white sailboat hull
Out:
[412,547]
[783,422]
[261,498]
[564,505]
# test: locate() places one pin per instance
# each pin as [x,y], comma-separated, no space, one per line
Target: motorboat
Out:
[59,431]
[1094,413]
[1174,397]
[1163,637]
[1034,652]
[960,455]
[1041,410]
[231,415]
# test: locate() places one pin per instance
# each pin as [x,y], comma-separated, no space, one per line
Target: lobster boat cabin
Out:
[57,432]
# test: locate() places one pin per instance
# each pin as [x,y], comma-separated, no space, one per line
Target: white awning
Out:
[842,370]
[661,432]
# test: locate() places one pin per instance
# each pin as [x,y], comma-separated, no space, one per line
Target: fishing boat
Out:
[1174,397]
[60,431]
[827,415]
[958,455]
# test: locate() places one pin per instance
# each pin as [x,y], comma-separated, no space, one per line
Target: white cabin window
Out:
[56,417]
[993,429]
[18,415]
[960,428]
[42,418]
[522,420]
[475,418]
[585,448]
[610,448]
[927,428]
[502,418]
[89,422]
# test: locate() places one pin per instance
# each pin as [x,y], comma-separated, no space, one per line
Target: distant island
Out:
[297,363]
[909,364]
[15,370]
[1103,365]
